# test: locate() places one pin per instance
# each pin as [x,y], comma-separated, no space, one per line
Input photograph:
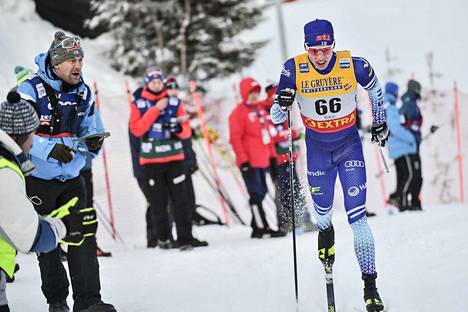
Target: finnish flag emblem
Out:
[304,67]
[345,63]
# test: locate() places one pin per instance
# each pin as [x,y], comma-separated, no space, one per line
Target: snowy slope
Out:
[421,260]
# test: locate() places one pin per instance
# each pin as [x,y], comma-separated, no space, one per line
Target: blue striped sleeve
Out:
[366,77]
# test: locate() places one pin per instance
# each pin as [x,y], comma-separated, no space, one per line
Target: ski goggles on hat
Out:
[315,50]
[70,43]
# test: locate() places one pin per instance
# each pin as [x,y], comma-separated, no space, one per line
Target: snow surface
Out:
[421,257]
[421,260]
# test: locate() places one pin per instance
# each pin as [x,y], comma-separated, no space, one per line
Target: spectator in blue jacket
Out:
[402,148]
[410,112]
[66,111]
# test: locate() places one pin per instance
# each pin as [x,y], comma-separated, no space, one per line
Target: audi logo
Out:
[354,163]
[353,191]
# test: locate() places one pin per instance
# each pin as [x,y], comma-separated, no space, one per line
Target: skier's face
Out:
[156,85]
[320,56]
[70,70]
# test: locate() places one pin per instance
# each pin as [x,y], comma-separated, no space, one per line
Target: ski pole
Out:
[223,194]
[291,187]
[106,224]
[384,160]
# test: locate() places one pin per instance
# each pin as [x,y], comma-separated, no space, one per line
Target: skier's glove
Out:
[286,98]
[379,134]
[62,153]
[245,168]
[79,223]
[94,144]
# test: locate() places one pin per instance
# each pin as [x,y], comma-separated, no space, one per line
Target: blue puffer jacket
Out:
[33,90]
[401,141]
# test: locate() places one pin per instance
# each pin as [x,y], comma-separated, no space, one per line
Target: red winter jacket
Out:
[141,124]
[250,130]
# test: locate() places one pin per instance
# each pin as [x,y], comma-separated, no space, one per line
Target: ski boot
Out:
[326,247]
[371,296]
[61,306]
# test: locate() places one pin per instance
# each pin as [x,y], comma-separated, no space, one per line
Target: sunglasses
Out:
[315,50]
[70,43]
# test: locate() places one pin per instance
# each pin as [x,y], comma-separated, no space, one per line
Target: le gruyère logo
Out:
[324,84]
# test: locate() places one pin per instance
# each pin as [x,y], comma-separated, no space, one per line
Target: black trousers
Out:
[149,216]
[409,181]
[82,261]
[87,176]
[168,181]
[255,182]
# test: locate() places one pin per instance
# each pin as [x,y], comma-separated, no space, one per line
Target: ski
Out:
[326,253]
[330,289]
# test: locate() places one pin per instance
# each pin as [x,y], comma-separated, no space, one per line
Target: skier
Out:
[21,227]
[413,121]
[324,82]
[402,146]
[66,111]
[161,155]
[249,135]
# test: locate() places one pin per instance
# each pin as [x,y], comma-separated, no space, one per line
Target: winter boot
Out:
[274,234]
[61,306]
[326,247]
[164,244]
[100,307]
[198,243]
[256,233]
[4,308]
[102,253]
[371,296]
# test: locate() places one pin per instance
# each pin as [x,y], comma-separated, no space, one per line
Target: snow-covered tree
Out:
[195,39]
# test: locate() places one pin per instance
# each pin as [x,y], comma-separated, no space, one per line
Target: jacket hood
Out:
[45,72]
[246,86]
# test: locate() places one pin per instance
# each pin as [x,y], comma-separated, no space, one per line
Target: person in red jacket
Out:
[280,172]
[155,119]
[249,132]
